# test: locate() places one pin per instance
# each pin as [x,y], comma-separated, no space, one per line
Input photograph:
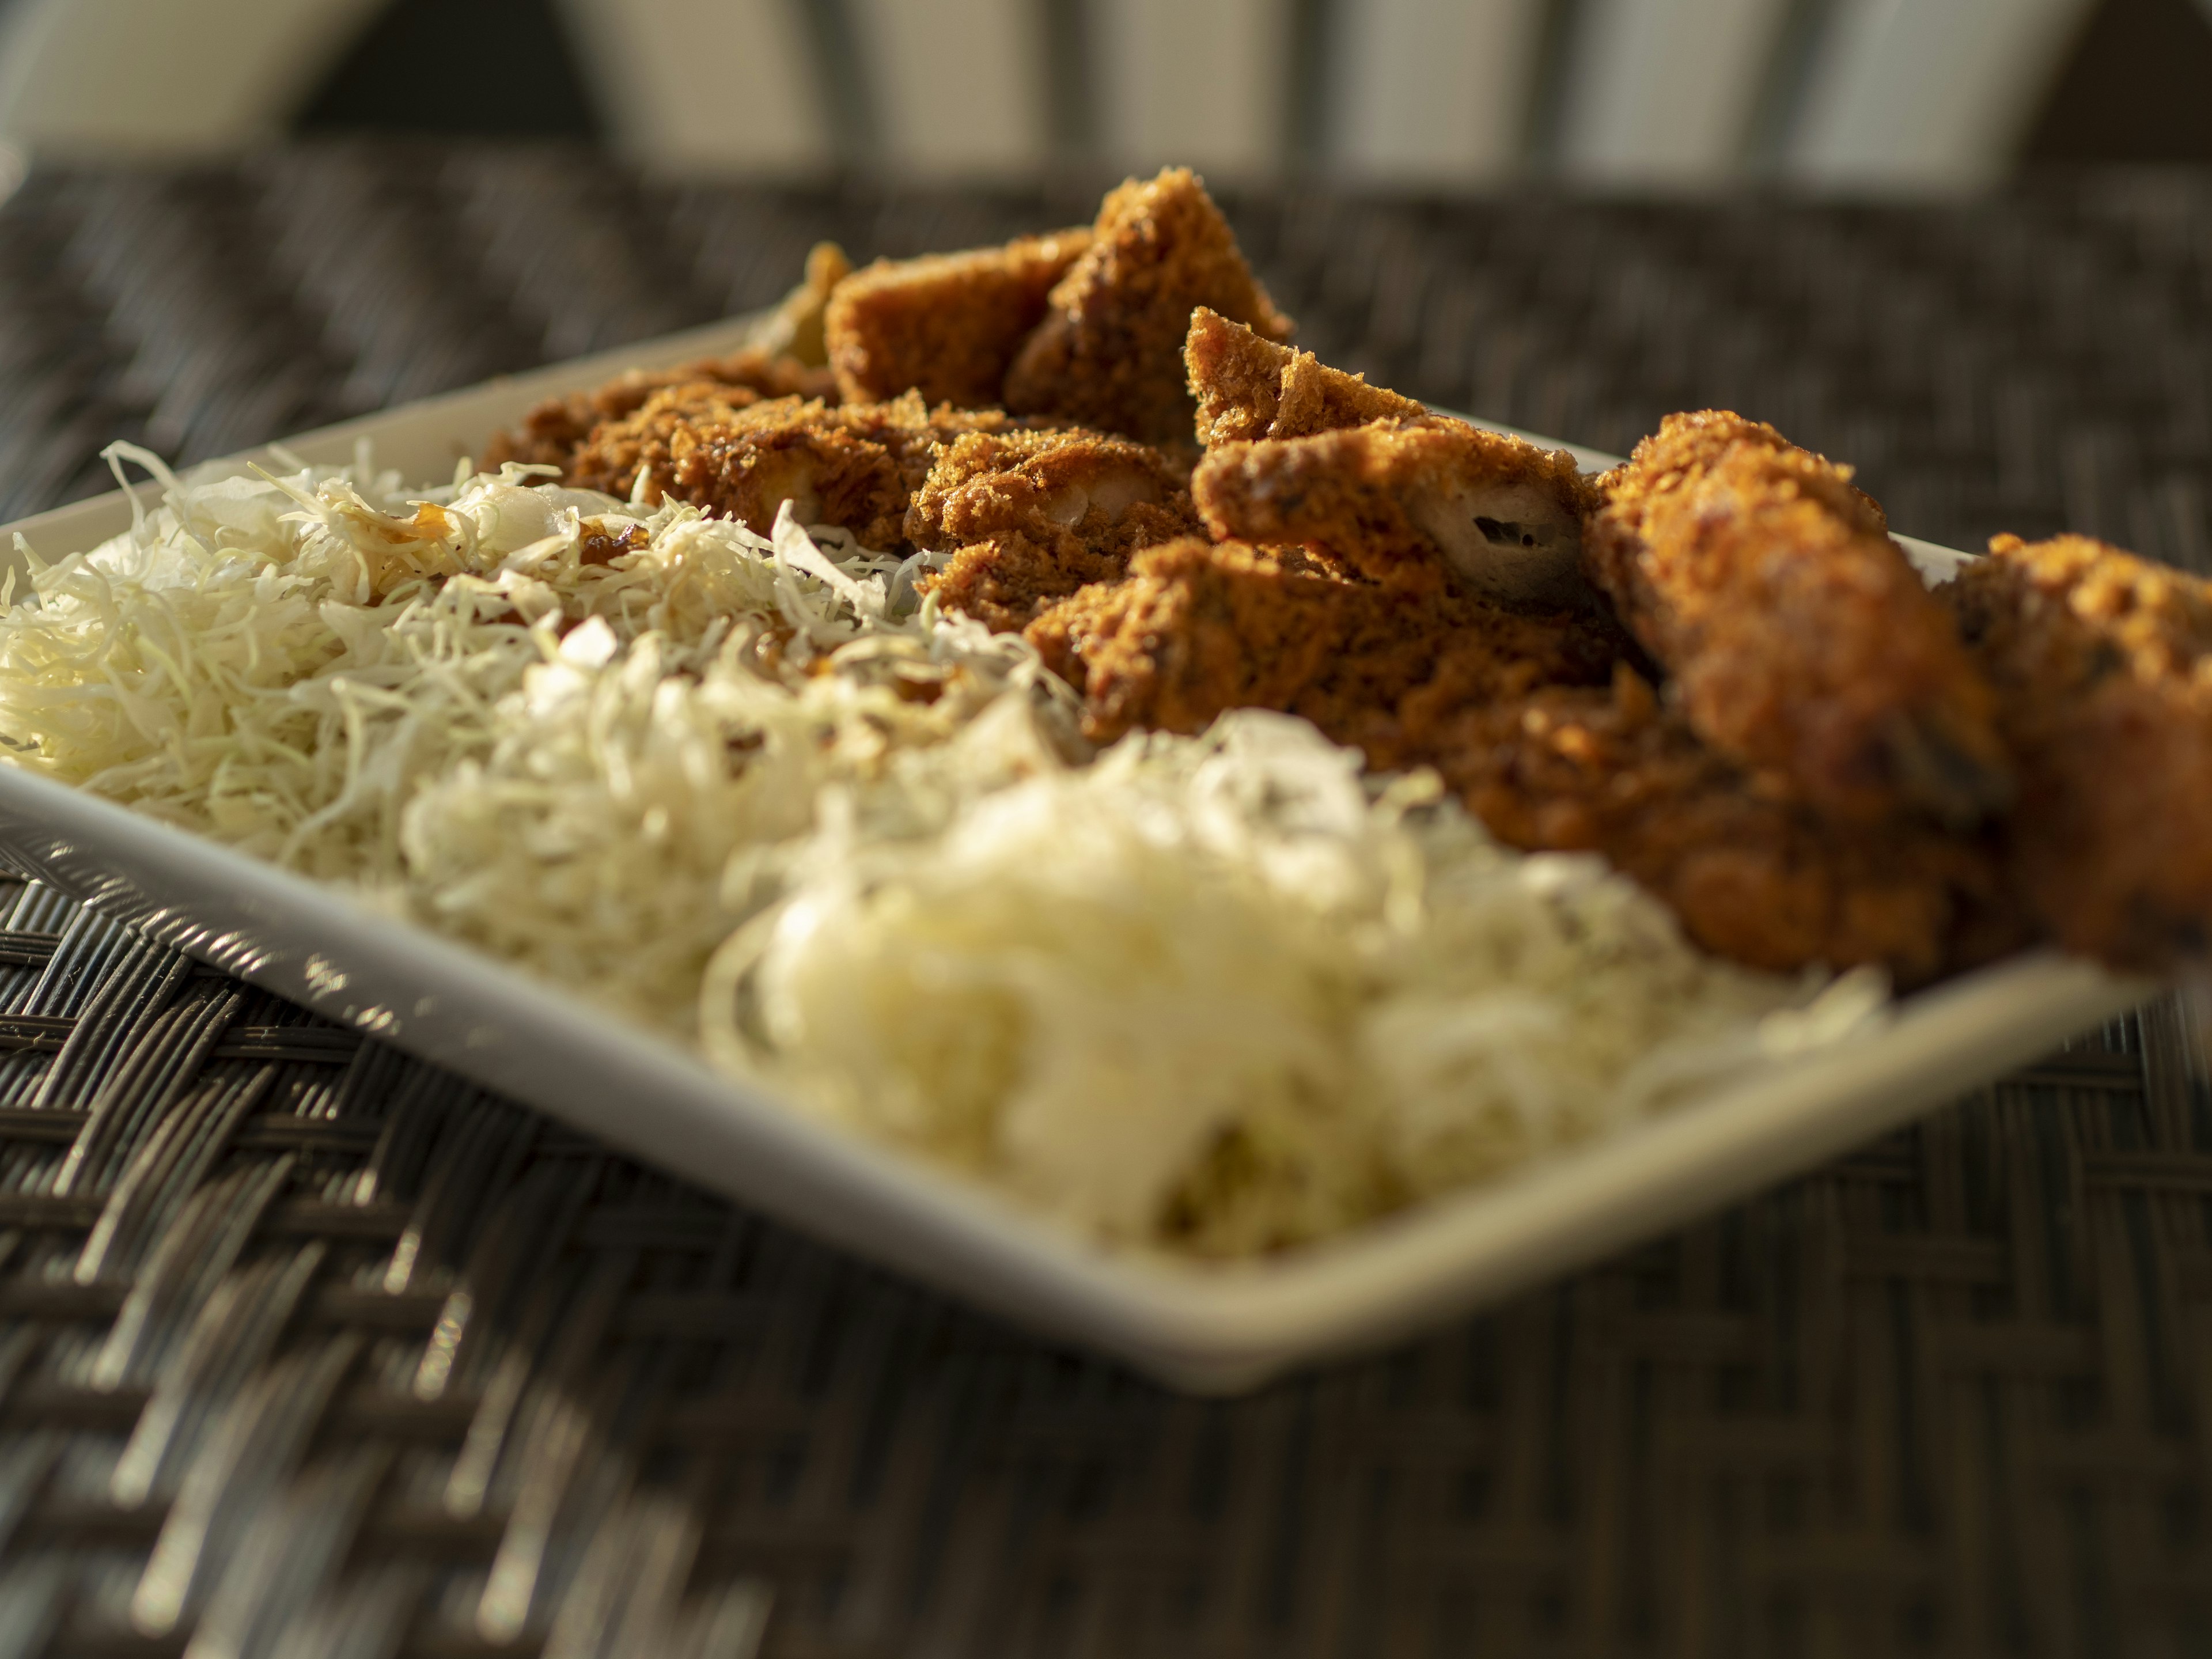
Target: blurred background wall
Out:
[1913,94]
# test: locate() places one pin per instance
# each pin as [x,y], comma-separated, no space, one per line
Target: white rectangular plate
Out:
[1213,1329]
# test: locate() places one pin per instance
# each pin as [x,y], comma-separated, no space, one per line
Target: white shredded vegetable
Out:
[1220,994]
[1223,991]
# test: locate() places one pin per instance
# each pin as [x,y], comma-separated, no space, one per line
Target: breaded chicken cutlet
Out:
[1109,351]
[1201,627]
[855,466]
[1247,387]
[1418,503]
[562,431]
[1546,731]
[2102,663]
[1798,639]
[947,324]
[1770,882]
[1030,516]
[785,360]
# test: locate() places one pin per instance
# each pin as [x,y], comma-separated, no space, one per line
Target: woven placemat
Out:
[308,1349]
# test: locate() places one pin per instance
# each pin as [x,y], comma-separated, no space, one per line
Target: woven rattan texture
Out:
[306,1349]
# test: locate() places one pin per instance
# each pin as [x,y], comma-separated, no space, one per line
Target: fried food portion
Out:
[562,431]
[621,447]
[1799,640]
[1547,732]
[1763,881]
[784,359]
[1109,353]
[1247,387]
[856,466]
[2102,663]
[1423,504]
[1034,515]
[947,324]
[1201,627]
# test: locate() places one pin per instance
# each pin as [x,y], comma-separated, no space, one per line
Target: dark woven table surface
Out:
[308,1349]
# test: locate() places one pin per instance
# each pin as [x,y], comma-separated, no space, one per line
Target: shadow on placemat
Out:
[306,1349]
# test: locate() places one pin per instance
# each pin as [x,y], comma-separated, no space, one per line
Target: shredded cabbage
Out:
[1224,993]
[1220,994]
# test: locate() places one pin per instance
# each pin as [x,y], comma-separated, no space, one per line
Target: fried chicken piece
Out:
[856,466]
[946,324]
[619,448]
[1034,515]
[2102,663]
[1201,627]
[564,432]
[1798,638]
[783,359]
[1419,504]
[1247,387]
[1549,733]
[1109,353]
[1766,882]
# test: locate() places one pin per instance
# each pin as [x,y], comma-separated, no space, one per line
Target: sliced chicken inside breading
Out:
[1798,638]
[1247,387]
[1109,353]
[1421,502]
[946,324]
[1030,516]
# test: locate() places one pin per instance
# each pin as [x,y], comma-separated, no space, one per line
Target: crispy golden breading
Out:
[856,466]
[784,360]
[1247,387]
[1798,638]
[2102,663]
[1766,882]
[1418,503]
[562,431]
[1109,353]
[1201,627]
[1034,515]
[947,324]
[620,447]
[1548,732]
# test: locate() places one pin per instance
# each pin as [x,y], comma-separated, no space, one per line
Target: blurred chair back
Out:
[1675,93]
[166,76]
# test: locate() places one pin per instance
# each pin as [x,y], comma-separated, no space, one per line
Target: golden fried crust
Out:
[1248,387]
[856,466]
[562,431]
[1036,515]
[2103,667]
[619,448]
[1201,627]
[947,324]
[1109,353]
[1799,640]
[1419,504]
[1762,881]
